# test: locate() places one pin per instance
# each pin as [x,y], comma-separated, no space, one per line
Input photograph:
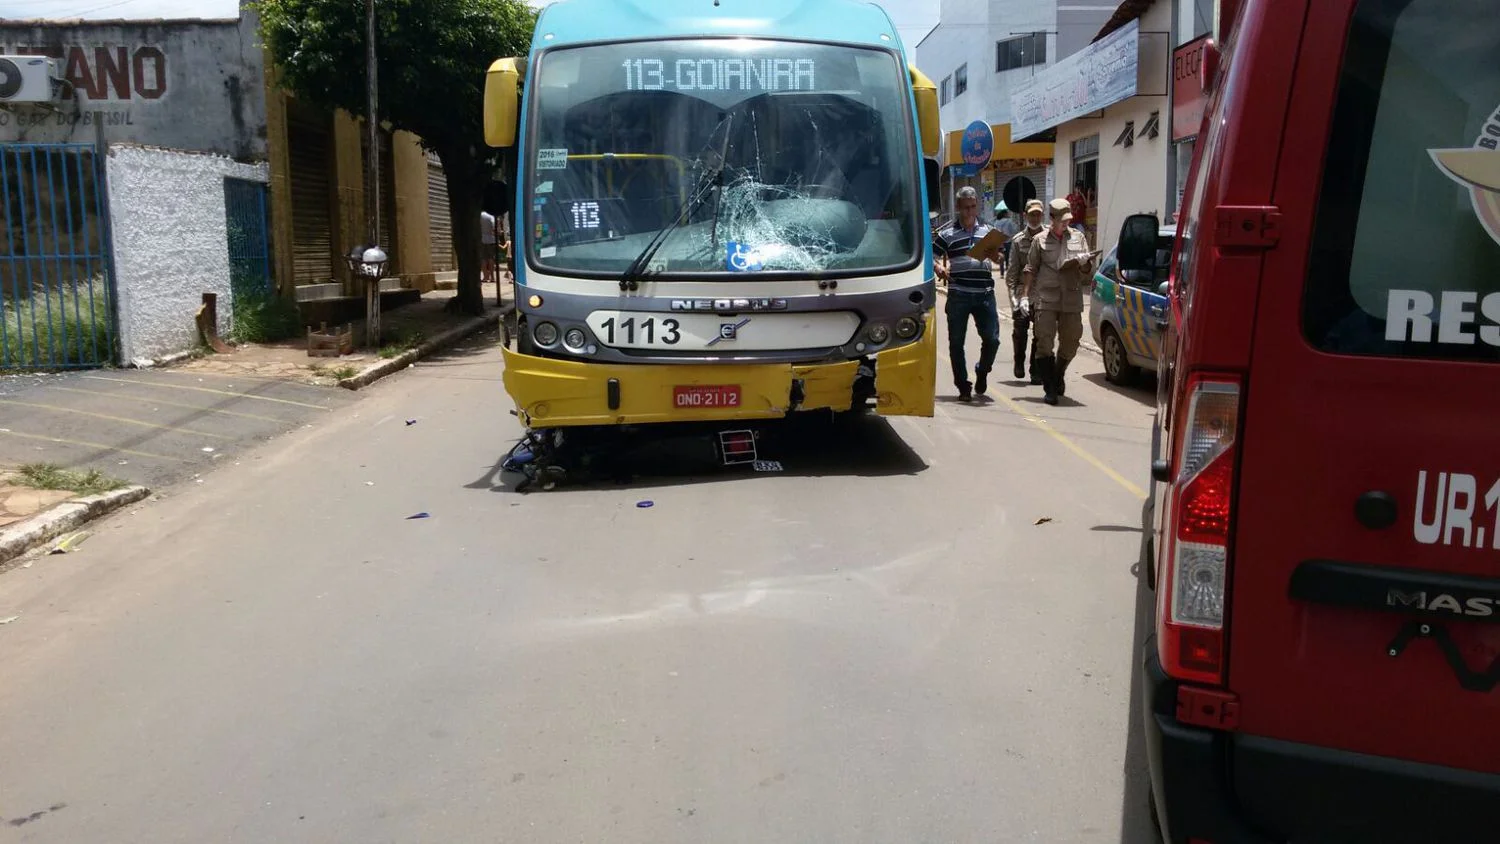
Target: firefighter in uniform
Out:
[1059,270]
[1020,308]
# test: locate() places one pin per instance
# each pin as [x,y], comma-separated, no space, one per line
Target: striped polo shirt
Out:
[964,273]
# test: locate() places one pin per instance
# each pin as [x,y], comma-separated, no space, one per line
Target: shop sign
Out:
[1099,76]
[978,145]
[1189,94]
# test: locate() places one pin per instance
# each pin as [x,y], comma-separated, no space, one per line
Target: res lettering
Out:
[1447,504]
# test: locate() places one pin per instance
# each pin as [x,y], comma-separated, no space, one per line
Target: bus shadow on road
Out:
[804,446]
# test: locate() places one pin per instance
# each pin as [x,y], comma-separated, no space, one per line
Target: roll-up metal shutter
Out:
[312,222]
[439,221]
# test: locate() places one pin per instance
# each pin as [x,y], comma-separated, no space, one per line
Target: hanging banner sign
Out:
[1099,76]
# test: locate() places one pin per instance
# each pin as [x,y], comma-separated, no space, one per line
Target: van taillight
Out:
[1196,571]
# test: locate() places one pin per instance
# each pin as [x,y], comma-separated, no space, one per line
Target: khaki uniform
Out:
[1020,331]
[1020,251]
[1057,292]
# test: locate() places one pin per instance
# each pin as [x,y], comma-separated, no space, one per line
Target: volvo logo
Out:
[727,306]
[729,331]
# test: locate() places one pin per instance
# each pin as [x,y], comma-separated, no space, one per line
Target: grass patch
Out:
[337,373]
[67,327]
[52,476]
[264,317]
[400,343]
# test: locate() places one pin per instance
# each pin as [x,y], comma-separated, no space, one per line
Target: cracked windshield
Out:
[737,156]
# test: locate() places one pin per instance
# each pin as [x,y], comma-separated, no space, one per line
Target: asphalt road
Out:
[152,427]
[886,642]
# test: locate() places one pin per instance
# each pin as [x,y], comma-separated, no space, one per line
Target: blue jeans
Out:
[981,307]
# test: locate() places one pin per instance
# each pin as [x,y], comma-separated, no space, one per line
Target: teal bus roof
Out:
[839,21]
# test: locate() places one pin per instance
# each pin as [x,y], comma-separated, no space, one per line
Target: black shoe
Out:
[981,382]
[1020,369]
[963,392]
[1044,368]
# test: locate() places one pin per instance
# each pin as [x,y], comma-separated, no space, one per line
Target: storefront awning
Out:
[1004,147]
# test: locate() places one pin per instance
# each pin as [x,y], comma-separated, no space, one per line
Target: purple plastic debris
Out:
[418,516]
[644,504]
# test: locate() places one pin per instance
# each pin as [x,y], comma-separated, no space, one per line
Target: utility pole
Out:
[372,177]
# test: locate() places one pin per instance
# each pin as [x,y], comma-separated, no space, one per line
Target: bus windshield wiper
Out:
[710,177]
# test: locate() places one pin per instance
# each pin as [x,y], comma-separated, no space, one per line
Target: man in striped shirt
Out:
[971,294]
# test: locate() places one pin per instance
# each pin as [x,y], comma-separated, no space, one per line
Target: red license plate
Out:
[695,397]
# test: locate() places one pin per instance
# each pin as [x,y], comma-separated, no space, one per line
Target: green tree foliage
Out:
[432,56]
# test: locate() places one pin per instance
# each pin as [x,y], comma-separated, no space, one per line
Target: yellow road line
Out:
[120,419]
[1063,440]
[1070,445]
[164,403]
[100,446]
[207,390]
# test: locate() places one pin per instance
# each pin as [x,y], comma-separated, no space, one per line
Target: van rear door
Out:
[1365,599]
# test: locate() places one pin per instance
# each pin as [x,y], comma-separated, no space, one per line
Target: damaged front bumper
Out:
[550,393]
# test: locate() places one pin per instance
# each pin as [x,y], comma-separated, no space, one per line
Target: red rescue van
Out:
[1323,538]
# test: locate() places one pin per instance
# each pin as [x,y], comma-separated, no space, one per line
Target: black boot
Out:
[981,382]
[1058,385]
[1018,347]
[963,391]
[1042,368]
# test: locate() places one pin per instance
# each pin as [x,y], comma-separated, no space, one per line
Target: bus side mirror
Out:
[1137,249]
[926,95]
[934,178]
[502,103]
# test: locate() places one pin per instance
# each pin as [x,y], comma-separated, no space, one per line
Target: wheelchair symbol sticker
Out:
[742,258]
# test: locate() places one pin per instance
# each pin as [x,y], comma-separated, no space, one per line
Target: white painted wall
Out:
[171,244]
[967,31]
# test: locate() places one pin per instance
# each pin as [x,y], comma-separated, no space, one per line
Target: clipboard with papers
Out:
[989,245]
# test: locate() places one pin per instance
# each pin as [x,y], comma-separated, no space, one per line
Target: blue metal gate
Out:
[245,211]
[57,306]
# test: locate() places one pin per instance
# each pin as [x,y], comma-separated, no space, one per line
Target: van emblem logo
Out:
[1477,168]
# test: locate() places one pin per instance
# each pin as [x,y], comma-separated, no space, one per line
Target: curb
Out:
[377,371]
[1083,342]
[18,539]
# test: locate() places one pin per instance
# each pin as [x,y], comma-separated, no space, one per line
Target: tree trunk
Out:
[465,199]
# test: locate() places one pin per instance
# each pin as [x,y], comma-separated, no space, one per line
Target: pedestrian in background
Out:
[1005,223]
[971,294]
[1059,269]
[1020,306]
[487,247]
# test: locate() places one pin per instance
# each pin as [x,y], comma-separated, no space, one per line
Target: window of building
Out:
[1083,193]
[1024,51]
[961,80]
[945,90]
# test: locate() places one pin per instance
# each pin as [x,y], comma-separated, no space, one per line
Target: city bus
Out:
[721,213]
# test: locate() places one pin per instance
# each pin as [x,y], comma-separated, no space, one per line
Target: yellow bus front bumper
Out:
[553,393]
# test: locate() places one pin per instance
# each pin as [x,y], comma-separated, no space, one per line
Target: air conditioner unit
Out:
[29,79]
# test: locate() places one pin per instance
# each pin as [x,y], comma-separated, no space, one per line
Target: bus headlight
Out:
[906,328]
[545,334]
[575,339]
[878,333]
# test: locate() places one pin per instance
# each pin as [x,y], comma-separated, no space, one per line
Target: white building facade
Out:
[977,54]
